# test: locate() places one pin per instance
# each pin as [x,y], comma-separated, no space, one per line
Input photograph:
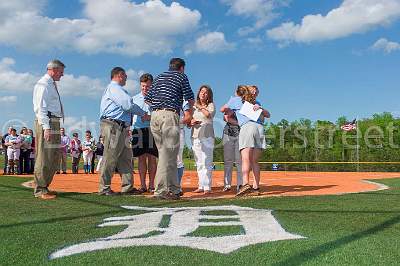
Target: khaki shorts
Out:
[252,136]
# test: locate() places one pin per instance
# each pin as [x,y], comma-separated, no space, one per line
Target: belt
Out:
[51,115]
[166,109]
[118,122]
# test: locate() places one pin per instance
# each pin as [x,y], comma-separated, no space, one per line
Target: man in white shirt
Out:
[48,111]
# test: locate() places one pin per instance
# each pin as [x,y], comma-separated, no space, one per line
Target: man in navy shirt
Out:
[165,99]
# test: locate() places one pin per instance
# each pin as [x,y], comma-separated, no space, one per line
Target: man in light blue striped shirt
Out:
[116,111]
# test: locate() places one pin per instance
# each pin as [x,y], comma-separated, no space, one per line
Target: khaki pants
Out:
[117,154]
[232,155]
[63,162]
[165,128]
[47,156]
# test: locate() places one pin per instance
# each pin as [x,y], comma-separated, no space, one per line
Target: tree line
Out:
[376,139]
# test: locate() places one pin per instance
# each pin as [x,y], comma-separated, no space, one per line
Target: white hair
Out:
[55,64]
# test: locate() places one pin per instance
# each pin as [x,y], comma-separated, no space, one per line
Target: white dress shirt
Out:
[46,99]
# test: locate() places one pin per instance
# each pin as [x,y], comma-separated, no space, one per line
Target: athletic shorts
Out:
[143,142]
[252,136]
[13,154]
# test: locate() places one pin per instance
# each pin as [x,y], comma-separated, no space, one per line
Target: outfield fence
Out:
[289,166]
[323,166]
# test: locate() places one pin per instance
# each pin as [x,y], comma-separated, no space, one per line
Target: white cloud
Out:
[212,42]
[22,26]
[262,11]
[352,16]
[8,99]
[79,125]
[13,81]
[111,26]
[254,40]
[385,45]
[252,68]
[69,85]
[94,87]
[132,83]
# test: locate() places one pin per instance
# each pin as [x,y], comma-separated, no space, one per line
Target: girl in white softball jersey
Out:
[88,147]
[13,143]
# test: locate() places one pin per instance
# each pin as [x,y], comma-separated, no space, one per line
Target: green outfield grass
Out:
[350,229]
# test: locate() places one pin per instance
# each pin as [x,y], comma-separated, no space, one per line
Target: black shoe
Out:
[143,190]
[133,191]
[64,173]
[58,172]
[108,193]
[256,191]
[168,196]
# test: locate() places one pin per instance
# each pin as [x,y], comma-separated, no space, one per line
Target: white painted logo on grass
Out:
[178,224]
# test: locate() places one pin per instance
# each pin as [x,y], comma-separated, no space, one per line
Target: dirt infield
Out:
[272,183]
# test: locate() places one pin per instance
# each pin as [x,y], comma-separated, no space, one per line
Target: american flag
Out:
[349,126]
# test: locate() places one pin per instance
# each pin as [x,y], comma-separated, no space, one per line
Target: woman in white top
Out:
[203,137]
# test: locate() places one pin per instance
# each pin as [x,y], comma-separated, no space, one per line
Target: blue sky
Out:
[310,59]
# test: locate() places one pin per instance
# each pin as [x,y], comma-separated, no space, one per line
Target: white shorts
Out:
[13,154]
[252,136]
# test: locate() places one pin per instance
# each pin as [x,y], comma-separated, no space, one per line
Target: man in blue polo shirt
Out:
[116,110]
[165,99]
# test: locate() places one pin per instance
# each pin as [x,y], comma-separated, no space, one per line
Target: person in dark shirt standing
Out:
[165,99]
[99,153]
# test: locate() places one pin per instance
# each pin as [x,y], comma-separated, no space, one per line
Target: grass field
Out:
[361,229]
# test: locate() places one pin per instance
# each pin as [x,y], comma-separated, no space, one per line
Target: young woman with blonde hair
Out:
[251,138]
